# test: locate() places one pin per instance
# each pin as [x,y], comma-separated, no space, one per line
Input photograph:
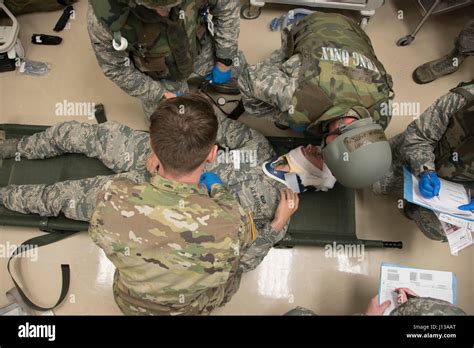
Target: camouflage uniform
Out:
[325,68]
[175,248]
[465,40]
[427,306]
[254,190]
[199,239]
[117,67]
[414,306]
[125,151]
[118,147]
[431,141]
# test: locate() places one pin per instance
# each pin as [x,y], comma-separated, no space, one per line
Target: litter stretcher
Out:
[322,217]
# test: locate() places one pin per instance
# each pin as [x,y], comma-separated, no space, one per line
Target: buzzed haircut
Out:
[182,133]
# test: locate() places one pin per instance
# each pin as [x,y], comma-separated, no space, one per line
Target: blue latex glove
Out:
[179,94]
[219,77]
[208,179]
[429,184]
[468,207]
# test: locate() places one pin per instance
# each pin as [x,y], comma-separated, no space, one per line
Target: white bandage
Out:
[310,175]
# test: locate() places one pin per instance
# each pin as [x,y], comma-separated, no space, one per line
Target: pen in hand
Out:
[432,183]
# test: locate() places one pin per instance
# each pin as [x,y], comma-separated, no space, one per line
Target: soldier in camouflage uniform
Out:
[326,80]
[414,306]
[175,245]
[151,55]
[427,306]
[125,151]
[439,142]
[326,66]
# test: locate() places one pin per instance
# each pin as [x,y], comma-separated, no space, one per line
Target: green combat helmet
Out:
[158,3]
[360,155]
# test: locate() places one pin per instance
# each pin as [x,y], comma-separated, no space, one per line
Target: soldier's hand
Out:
[375,308]
[220,74]
[152,164]
[467,207]
[288,205]
[208,179]
[169,95]
[404,294]
[429,184]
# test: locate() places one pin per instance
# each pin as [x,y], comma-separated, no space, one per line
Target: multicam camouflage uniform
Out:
[326,67]
[175,248]
[414,306]
[440,139]
[125,151]
[118,67]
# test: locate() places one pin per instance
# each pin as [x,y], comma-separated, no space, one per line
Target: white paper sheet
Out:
[425,283]
[458,231]
[451,196]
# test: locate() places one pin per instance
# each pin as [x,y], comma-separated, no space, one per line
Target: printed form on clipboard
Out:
[451,196]
[425,283]
[457,224]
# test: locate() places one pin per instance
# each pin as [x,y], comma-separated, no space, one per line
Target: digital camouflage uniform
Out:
[120,68]
[125,151]
[414,306]
[465,40]
[326,67]
[440,139]
[255,191]
[427,306]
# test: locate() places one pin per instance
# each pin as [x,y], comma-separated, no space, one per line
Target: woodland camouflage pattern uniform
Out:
[125,151]
[440,139]
[149,86]
[414,306]
[326,67]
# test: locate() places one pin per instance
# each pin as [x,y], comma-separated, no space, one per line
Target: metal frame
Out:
[365,7]
[432,10]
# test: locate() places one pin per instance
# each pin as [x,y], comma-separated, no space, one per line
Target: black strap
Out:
[37,242]
[235,113]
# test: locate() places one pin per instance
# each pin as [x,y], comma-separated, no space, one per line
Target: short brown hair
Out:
[182,133]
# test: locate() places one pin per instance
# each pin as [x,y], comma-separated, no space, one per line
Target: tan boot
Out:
[440,67]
